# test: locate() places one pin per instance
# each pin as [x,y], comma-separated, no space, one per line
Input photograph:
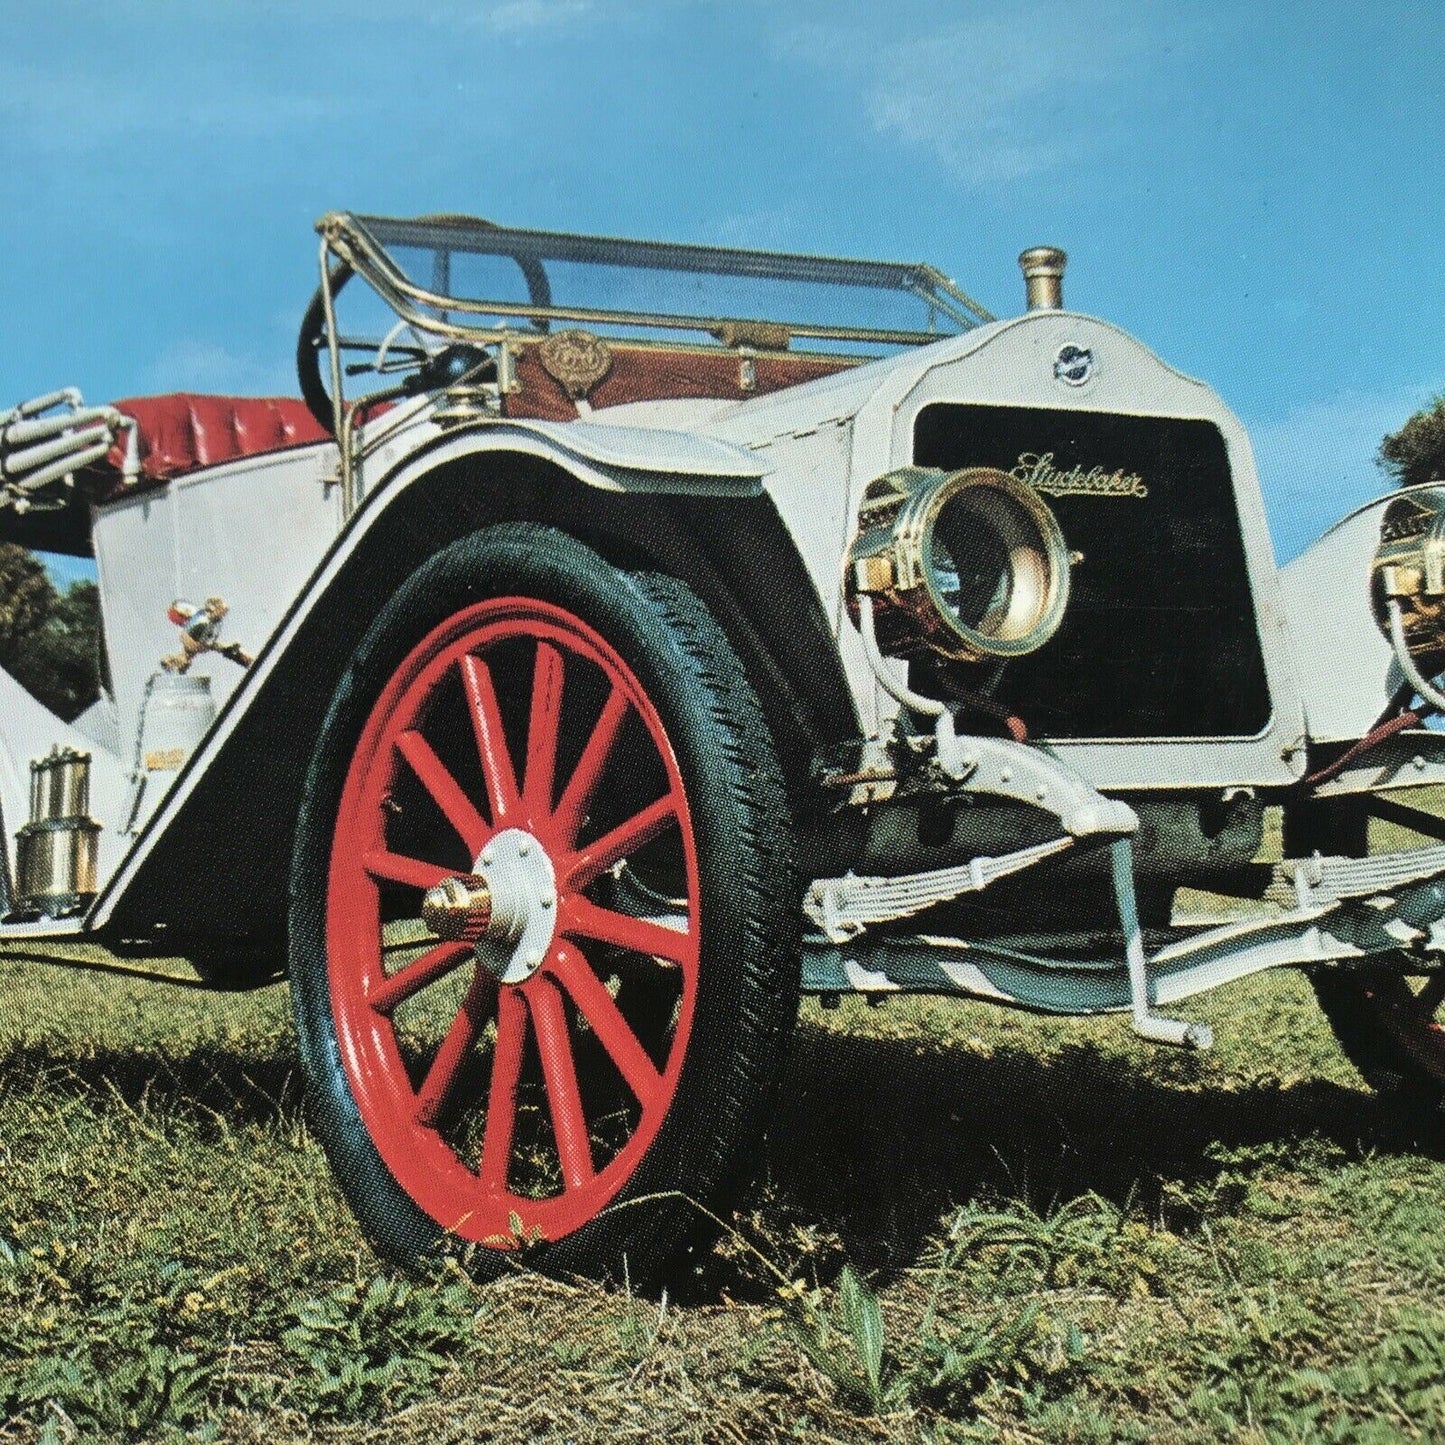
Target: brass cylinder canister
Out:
[1043,268]
[56,851]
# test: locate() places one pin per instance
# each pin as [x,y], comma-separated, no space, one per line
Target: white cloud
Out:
[206,366]
[1004,94]
[1318,462]
[765,228]
[513,17]
[46,108]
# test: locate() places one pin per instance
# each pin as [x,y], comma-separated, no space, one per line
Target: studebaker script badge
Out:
[1043,476]
[1074,365]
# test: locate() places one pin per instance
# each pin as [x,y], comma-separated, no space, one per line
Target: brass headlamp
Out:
[970,564]
[1409,568]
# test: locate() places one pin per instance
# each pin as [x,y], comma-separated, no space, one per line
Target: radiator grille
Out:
[1160,639]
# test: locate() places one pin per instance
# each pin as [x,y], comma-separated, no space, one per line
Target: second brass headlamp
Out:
[1409,569]
[969,564]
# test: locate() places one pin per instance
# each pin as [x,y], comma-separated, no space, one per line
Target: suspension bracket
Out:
[1025,773]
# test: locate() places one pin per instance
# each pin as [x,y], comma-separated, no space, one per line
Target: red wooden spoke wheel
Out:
[1387,1022]
[1390,1027]
[529,976]
[544,913]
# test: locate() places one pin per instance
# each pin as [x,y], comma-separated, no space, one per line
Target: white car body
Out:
[281,536]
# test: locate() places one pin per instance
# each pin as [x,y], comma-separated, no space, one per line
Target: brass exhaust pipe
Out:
[1043,268]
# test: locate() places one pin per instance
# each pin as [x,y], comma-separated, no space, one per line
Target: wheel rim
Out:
[1411,1017]
[512,1110]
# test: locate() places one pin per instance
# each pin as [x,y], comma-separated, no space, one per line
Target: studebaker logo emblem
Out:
[1074,365]
[1043,476]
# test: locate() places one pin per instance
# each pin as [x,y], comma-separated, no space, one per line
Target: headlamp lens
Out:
[970,563]
[987,564]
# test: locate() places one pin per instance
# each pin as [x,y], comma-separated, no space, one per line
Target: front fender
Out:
[636,459]
[217,849]
[1346,668]
[611,458]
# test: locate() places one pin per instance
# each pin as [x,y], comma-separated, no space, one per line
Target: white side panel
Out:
[809,486]
[250,532]
[1347,669]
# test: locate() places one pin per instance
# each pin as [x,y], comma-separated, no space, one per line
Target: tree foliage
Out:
[27,598]
[49,641]
[1416,453]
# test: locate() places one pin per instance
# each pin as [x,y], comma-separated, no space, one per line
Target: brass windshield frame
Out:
[358,244]
[351,239]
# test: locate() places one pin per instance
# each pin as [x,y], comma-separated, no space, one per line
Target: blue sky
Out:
[1253,189]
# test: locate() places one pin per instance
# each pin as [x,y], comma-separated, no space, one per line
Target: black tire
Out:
[746,917]
[1392,1037]
[1387,1027]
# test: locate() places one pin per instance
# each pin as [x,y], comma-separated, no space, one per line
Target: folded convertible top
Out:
[183,431]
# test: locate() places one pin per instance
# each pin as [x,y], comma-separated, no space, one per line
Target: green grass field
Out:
[969,1225]
[1050,1233]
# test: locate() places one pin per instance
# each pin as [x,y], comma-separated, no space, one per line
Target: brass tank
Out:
[56,851]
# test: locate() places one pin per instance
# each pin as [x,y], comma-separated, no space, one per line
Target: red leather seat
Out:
[182,432]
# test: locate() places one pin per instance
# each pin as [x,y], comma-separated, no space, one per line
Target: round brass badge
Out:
[577,359]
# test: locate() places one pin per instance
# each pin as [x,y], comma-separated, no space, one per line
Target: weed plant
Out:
[970,1226]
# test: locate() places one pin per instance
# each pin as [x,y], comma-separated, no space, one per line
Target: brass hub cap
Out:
[506,908]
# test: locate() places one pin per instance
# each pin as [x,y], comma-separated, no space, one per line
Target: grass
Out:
[970,1226]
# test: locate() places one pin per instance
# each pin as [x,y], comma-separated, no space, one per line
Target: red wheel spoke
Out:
[439,1053]
[1431,996]
[396,869]
[416,975]
[626,838]
[541,775]
[463,1034]
[586,920]
[608,1023]
[588,773]
[491,740]
[564,1097]
[502,1094]
[445,792]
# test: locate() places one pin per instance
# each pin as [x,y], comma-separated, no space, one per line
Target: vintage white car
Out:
[664,631]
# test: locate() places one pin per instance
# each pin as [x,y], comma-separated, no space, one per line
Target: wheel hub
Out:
[506,908]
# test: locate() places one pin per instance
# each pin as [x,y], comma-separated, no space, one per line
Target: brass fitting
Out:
[1043,268]
[968,564]
[458,910]
[1409,567]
